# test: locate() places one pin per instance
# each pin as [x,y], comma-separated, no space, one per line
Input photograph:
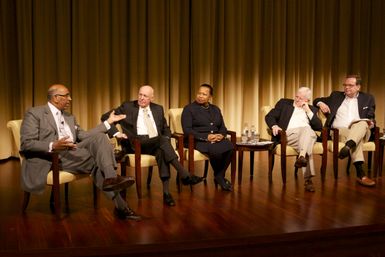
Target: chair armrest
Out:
[53,157]
[179,144]
[233,136]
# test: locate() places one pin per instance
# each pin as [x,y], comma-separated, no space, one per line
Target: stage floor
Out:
[205,221]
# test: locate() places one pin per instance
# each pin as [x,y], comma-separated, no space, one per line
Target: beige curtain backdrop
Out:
[253,52]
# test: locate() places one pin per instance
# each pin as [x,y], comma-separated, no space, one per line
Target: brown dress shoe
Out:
[365,181]
[301,162]
[126,213]
[118,183]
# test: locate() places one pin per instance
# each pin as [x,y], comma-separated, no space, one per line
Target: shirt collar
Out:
[53,109]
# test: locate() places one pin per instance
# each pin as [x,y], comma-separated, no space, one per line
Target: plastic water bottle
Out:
[245,133]
[252,134]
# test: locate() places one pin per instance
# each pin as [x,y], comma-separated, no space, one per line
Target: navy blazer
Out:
[366,105]
[281,114]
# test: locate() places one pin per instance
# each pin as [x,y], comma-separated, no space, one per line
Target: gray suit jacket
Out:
[38,130]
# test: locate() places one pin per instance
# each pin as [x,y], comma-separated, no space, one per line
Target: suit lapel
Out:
[50,118]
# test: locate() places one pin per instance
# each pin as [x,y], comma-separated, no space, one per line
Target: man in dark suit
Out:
[145,121]
[345,111]
[299,120]
[49,128]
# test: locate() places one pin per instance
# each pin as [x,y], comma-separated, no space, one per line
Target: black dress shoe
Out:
[344,152]
[118,183]
[301,162]
[168,200]
[119,155]
[192,180]
[224,183]
[126,213]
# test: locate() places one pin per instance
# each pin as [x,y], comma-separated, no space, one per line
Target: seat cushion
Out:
[290,151]
[146,160]
[198,156]
[65,177]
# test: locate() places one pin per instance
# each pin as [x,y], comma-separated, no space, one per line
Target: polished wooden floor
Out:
[258,219]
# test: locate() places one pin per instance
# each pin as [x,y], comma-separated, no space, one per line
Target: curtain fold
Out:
[253,52]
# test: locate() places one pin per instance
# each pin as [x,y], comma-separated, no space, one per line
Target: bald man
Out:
[50,128]
[145,121]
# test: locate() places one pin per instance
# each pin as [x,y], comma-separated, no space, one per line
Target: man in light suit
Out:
[299,119]
[154,137]
[343,111]
[49,128]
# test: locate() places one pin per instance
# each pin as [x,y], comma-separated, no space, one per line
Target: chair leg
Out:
[138,177]
[149,176]
[26,198]
[335,164]
[271,166]
[348,165]
[206,168]
[295,172]
[95,194]
[370,156]
[283,168]
[66,185]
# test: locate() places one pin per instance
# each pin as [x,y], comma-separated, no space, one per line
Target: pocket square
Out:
[365,107]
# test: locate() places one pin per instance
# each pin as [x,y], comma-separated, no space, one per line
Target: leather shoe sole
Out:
[126,213]
[365,181]
[344,152]
[118,183]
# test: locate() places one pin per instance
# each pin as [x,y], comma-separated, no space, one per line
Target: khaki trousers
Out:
[359,132]
[303,140]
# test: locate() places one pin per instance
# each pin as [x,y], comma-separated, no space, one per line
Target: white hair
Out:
[305,91]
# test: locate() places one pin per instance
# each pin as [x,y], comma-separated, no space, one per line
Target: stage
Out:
[341,218]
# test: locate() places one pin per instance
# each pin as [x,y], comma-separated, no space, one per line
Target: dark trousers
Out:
[161,148]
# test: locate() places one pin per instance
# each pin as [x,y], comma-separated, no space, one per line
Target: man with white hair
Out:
[299,120]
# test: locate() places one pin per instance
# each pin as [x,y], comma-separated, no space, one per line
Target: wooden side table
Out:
[262,145]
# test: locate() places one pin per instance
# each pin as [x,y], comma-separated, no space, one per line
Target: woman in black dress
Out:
[205,121]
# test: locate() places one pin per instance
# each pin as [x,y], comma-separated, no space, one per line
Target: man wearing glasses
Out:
[49,128]
[352,112]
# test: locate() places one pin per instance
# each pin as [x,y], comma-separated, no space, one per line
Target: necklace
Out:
[205,107]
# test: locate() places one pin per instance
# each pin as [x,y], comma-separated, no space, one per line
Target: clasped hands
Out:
[213,138]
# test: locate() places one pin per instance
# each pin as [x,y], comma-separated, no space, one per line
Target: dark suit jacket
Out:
[281,114]
[38,129]
[131,110]
[201,122]
[366,105]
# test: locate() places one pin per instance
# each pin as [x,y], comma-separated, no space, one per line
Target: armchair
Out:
[189,153]
[55,177]
[372,147]
[284,151]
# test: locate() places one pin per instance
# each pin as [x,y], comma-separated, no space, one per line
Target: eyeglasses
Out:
[66,95]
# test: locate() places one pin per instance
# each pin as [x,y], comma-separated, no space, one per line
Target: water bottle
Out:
[245,133]
[252,134]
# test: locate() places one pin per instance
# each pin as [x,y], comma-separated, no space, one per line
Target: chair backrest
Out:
[264,128]
[175,115]
[14,126]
